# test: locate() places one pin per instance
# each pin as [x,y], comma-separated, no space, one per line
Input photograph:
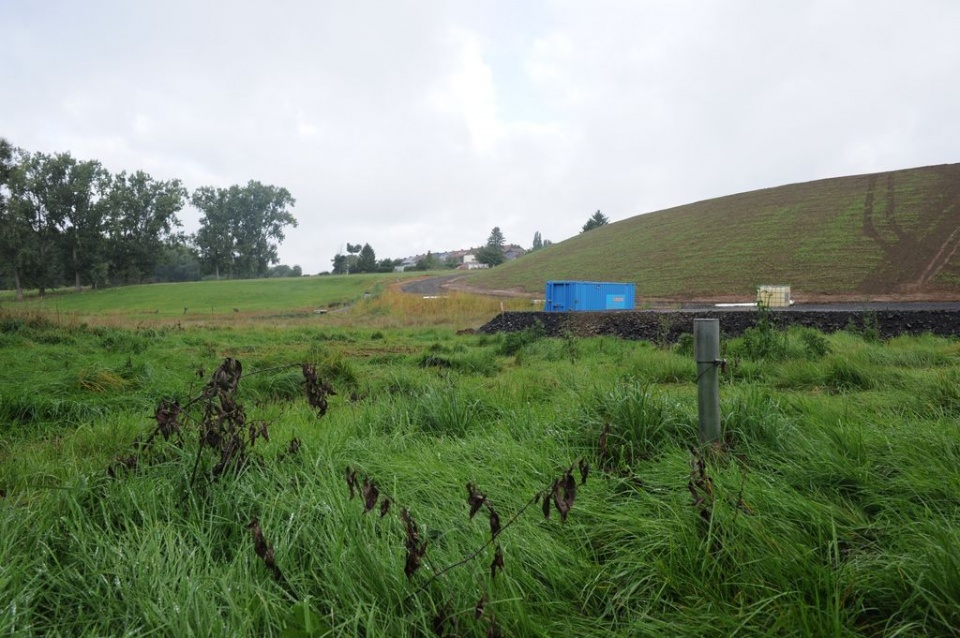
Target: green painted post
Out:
[706,347]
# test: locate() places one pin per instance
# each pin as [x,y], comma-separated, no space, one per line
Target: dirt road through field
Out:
[429,285]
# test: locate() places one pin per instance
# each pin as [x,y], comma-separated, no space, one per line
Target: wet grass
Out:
[832,506]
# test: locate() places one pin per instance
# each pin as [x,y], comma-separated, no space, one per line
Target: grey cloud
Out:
[421,125]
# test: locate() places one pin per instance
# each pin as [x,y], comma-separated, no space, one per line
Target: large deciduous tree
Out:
[264,215]
[38,189]
[84,202]
[6,167]
[12,226]
[344,264]
[241,227]
[142,223]
[214,241]
[54,220]
[61,216]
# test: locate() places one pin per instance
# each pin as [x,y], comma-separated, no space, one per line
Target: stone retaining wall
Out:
[667,326]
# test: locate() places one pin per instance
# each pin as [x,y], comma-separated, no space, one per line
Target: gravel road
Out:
[429,285]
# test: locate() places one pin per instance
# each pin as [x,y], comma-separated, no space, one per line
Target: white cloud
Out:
[468,93]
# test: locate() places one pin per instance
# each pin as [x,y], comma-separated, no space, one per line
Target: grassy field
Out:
[307,301]
[202,301]
[832,506]
[888,233]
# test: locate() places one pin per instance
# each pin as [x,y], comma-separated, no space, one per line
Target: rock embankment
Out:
[667,326]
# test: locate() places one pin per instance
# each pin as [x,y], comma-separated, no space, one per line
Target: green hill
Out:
[893,233]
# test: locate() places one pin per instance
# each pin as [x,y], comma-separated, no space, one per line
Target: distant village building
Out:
[464,259]
[469,262]
[405,264]
[512,251]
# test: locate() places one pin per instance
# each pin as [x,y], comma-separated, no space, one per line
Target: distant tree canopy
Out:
[344,264]
[537,242]
[361,259]
[367,260]
[138,237]
[241,227]
[388,265]
[67,220]
[10,226]
[596,221]
[492,253]
[496,238]
[178,263]
[282,270]
[427,262]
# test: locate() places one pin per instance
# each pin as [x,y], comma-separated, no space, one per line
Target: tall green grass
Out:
[833,505]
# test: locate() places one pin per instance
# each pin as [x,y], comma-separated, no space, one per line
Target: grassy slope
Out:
[861,235]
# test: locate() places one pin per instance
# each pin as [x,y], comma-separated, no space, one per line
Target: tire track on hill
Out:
[943,256]
[905,264]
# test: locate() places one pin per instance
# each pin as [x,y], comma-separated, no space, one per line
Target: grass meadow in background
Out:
[832,507]
[263,302]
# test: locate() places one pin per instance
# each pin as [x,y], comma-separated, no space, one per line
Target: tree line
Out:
[492,253]
[363,259]
[65,221]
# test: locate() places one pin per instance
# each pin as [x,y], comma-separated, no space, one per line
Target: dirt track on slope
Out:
[453,283]
[429,285]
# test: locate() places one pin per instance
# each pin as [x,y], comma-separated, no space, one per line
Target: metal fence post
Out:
[706,347]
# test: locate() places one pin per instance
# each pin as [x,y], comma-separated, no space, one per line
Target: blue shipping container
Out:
[564,296]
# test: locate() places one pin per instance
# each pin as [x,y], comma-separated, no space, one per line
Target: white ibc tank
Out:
[774,296]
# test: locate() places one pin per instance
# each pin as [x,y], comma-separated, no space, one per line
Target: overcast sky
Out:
[421,125]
